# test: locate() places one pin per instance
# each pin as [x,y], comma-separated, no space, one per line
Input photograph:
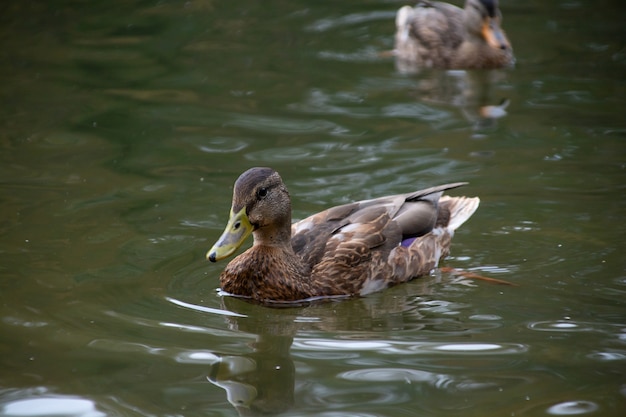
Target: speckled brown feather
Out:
[353,249]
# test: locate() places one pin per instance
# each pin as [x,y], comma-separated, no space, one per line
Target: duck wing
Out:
[348,234]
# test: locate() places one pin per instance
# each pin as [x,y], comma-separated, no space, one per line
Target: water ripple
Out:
[473,348]
[116,345]
[417,110]
[607,356]
[392,374]
[343,103]
[218,144]
[17,321]
[571,408]
[439,381]
[140,321]
[191,356]
[326,397]
[338,345]
[408,348]
[204,309]
[560,326]
[468,347]
[197,357]
[485,317]
[58,405]
[323,25]
[338,414]
[362,55]
[354,157]
[281,125]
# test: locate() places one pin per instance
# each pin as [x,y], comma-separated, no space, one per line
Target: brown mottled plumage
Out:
[439,35]
[348,250]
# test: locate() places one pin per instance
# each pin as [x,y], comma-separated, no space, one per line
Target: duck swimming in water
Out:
[349,250]
[439,35]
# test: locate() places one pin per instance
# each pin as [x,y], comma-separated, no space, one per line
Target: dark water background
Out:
[124,124]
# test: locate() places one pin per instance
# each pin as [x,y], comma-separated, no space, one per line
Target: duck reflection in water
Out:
[263,382]
[435,36]
[472,92]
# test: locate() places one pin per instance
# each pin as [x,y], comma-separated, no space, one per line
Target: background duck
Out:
[348,250]
[439,35]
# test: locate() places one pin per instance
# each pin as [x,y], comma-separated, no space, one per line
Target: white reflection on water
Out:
[52,406]
[342,414]
[468,347]
[607,356]
[197,357]
[409,348]
[559,326]
[203,309]
[485,317]
[571,408]
[17,321]
[323,344]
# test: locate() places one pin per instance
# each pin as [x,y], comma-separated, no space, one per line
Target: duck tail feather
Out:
[461,209]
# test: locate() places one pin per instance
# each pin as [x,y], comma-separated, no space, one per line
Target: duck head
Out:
[483,19]
[261,206]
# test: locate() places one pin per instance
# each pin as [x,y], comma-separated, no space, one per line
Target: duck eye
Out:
[261,193]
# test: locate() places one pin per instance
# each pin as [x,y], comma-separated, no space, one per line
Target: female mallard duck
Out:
[439,35]
[348,250]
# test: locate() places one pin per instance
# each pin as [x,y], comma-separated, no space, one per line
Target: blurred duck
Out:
[439,35]
[349,250]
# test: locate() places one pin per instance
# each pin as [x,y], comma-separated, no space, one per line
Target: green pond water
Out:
[124,124]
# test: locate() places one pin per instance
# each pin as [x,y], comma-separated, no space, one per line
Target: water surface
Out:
[126,123]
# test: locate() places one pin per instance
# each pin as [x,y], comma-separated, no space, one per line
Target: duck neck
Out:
[274,235]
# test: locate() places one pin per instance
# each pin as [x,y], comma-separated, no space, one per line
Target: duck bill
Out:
[494,36]
[236,232]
